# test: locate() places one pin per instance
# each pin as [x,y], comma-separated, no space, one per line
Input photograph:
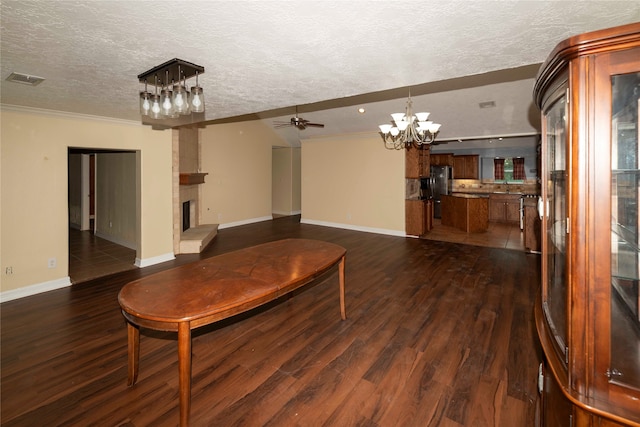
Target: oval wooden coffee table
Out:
[206,291]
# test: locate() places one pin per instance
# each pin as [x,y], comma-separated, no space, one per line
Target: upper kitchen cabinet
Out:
[587,316]
[466,166]
[417,161]
[442,159]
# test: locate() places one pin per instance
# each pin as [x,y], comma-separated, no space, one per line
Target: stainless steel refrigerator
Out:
[438,183]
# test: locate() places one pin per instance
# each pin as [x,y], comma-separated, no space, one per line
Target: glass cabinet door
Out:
[555,216]
[625,244]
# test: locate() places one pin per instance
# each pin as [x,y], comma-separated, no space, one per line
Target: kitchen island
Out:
[467,212]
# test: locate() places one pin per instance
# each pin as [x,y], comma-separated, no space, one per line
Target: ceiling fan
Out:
[298,122]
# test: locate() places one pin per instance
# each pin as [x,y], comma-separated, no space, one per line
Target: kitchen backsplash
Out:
[484,186]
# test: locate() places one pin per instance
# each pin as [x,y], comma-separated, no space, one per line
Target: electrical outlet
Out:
[8,271]
[52,263]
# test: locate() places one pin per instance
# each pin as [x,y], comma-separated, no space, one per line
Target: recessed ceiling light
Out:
[487,104]
[24,79]
[361,110]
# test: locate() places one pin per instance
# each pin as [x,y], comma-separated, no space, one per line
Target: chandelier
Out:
[408,129]
[174,99]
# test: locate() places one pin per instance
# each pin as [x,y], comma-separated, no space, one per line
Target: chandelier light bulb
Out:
[167,105]
[180,100]
[145,103]
[156,110]
[408,129]
[197,99]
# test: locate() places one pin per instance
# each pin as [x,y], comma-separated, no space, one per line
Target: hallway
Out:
[91,257]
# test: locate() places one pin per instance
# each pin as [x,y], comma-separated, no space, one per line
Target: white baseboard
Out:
[244,222]
[354,227]
[154,260]
[287,213]
[28,291]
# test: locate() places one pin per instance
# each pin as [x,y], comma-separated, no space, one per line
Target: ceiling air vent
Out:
[25,79]
[487,104]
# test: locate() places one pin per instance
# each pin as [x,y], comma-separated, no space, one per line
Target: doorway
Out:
[103,210]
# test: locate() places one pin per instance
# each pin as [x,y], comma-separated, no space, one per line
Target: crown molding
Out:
[65,114]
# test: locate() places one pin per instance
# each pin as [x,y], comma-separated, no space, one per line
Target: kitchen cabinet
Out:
[504,208]
[442,159]
[418,217]
[417,161]
[466,212]
[587,315]
[466,166]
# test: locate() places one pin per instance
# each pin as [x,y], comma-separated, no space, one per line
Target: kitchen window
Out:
[509,169]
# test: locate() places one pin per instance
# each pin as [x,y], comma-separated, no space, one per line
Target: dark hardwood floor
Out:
[438,334]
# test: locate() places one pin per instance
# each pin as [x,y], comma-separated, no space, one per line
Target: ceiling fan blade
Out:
[317,125]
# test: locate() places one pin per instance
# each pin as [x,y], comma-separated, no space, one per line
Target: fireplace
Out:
[186,215]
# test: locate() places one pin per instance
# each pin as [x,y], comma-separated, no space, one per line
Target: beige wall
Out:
[296,180]
[34,216]
[75,190]
[353,182]
[115,218]
[286,181]
[237,157]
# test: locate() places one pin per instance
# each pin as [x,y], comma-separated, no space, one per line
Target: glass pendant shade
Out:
[397,117]
[181,100]
[197,99]
[166,102]
[434,127]
[156,109]
[422,117]
[385,128]
[145,103]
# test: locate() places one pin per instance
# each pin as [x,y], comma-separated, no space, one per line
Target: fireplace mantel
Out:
[192,178]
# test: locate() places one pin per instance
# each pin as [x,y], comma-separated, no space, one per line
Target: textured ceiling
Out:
[266,57]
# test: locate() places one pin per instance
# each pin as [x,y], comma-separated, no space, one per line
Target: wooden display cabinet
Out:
[587,315]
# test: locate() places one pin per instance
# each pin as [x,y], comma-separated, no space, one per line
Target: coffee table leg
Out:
[133,343]
[184,362]
[343,310]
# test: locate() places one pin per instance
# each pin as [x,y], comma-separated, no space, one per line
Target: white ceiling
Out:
[263,58]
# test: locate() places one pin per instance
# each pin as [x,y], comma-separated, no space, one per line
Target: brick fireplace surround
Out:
[186,159]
